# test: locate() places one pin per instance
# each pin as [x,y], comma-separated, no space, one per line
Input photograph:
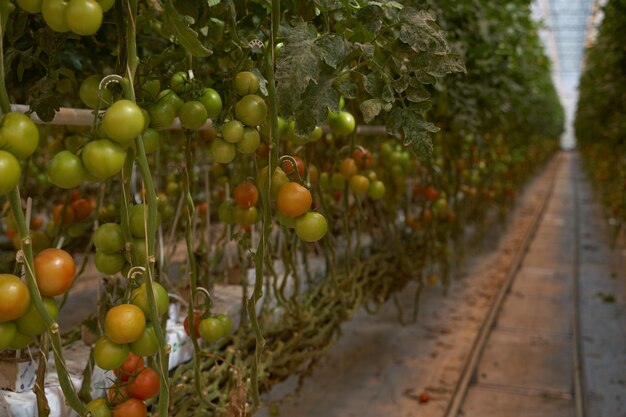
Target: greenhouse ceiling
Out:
[569,26]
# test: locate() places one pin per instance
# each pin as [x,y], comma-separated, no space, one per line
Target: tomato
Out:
[246,82]
[109,355]
[103,158]
[180,82]
[109,263]
[10,172]
[138,252]
[39,239]
[245,217]
[162,114]
[197,316]
[251,110]
[211,101]
[359,184]
[106,5]
[84,17]
[225,212]
[192,115]
[8,331]
[348,168]
[337,181]
[55,271]
[279,178]
[123,121]
[20,341]
[311,227]
[431,193]
[131,366]
[131,408]
[117,394]
[211,329]
[341,123]
[147,344]
[232,131]
[363,157]
[293,199]
[151,140]
[246,194]
[82,209]
[314,174]
[18,135]
[250,141]
[99,408]
[145,384]
[53,12]
[66,170]
[68,216]
[32,323]
[222,151]
[138,219]
[227,323]
[287,166]
[89,93]
[14,297]
[288,222]
[31,6]
[124,323]
[108,238]
[376,190]
[170,97]
[139,297]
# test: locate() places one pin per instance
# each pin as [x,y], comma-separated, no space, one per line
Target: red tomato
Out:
[117,394]
[55,271]
[82,209]
[57,212]
[131,408]
[293,199]
[131,366]
[197,316]
[431,193]
[145,385]
[287,166]
[363,157]
[246,195]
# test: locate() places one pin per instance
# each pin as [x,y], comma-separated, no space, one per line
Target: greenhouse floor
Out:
[554,247]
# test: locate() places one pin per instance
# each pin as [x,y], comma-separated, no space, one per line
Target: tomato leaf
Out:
[372,108]
[177,26]
[332,49]
[316,100]
[420,33]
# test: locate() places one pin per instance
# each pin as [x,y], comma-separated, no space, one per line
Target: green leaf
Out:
[388,93]
[372,108]
[177,26]
[415,130]
[262,80]
[373,84]
[417,31]
[212,3]
[348,88]
[332,49]
[315,102]
[417,94]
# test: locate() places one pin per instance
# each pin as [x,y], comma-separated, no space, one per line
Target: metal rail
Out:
[471,364]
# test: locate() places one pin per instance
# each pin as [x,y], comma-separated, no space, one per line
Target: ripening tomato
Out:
[66,170]
[359,184]
[99,407]
[362,156]
[131,408]
[245,194]
[293,199]
[145,384]
[245,217]
[431,193]
[311,227]
[32,323]
[197,316]
[109,355]
[84,17]
[131,367]
[124,323]
[14,298]
[246,82]
[348,168]
[55,271]
[82,209]
[139,297]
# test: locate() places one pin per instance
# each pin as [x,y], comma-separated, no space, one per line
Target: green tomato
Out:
[137,217]
[10,172]
[232,131]
[250,141]
[103,158]
[225,212]
[251,110]
[151,140]
[84,17]
[212,102]
[342,123]
[109,355]
[311,226]
[123,121]
[172,98]
[162,114]
[89,93]
[147,344]
[20,341]
[246,82]
[18,135]
[53,12]
[211,329]
[192,115]
[31,6]
[66,170]
[222,151]
[227,323]
[180,82]
[139,297]
[32,323]
[245,216]
[288,222]
[99,408]
[376,190]
[109,263]
[109,238]
[106,5]
[8,331]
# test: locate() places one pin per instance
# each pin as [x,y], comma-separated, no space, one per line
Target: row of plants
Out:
[599,123]
[363,136]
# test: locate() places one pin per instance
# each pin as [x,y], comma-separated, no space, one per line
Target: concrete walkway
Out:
[379,368]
